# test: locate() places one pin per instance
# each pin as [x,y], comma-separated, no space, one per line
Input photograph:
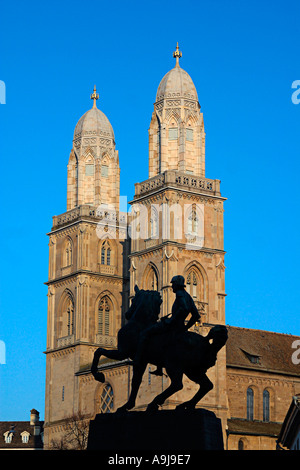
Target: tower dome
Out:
[94,122]
[176,83]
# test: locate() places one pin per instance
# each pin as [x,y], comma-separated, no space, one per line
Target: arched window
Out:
[66,316]
[192,284]
[152,281]
[68,252]
[107,399]
[70,317]
[193,221]
[241,445]
[106,253]
[104,312]
[250,403]
[266,406]
[153,223]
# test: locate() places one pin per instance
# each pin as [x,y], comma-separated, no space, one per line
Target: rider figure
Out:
[182,307]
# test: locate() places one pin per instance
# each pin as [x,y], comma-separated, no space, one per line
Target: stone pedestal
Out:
[166,430]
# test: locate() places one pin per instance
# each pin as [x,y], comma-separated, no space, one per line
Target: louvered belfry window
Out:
[104,316]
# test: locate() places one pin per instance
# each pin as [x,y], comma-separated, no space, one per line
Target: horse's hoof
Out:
[152,408]
[99,376]
[121,411]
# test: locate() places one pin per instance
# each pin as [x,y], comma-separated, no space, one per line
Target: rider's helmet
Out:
[178,280]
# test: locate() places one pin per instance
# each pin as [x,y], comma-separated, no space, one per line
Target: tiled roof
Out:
[258,349]
[18,427]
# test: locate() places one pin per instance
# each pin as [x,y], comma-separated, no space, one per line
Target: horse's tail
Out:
[219,336]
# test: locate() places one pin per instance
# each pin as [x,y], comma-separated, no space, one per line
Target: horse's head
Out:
[146,305]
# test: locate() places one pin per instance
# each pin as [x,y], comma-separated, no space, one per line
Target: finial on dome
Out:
[177,54]
[95,97]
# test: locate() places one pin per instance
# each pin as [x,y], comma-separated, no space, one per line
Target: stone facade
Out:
[176,227]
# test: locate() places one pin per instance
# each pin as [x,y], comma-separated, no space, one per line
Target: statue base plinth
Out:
[165,430]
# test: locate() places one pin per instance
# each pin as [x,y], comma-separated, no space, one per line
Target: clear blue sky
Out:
[242,56]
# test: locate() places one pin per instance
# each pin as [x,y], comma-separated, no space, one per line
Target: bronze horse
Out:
[186,353]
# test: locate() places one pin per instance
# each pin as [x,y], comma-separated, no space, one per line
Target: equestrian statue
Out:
[166,343]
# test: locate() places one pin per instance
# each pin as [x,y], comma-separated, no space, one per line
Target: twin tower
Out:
[97,254]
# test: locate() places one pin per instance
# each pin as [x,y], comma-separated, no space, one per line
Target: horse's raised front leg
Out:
[138,372]
[111,354]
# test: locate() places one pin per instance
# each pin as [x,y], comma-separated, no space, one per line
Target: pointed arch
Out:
[105,164]
[104,316]
[196,281]
[172,117]
[89,154]
[193,220]
[154,222]
[89,162]
[172,125]
[68,250]
[107,252]
[105,312]
[150,279]
[190,130]
[66,315]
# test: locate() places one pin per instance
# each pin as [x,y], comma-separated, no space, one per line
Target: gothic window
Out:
[70,318]
[192,284]
[266,406]
[250,403]
[105,253]
[152,280]
[193,220]
[104,311]
[107,399]
[173,133]
[68,252]
[154,223]
[66,320]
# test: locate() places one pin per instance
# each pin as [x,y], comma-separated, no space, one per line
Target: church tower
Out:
[88,274]
[178,213]
[176,134]
[97,255]
[93,169]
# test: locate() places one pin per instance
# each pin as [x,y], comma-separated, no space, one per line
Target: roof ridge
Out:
[263,331]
